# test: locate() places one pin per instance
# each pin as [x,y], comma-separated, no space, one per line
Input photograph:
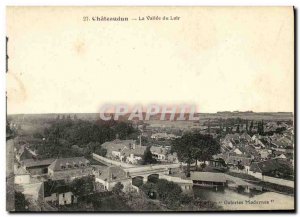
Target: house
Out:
[23,154]
[236,163]
[69,168]
[110,176]
[37,167]
[237,151]
[59,193]
[278,168]
[132,159]
[234,138]
[245,137]
[123,149]
[250,151]
[282,156]
[227,144]
[127,151]
[159,153]
[264,153]
[163,136]
[216,164]
[280,143]
[172,158]
[21,175]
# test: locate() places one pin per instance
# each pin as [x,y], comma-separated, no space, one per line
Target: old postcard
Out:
[142,109]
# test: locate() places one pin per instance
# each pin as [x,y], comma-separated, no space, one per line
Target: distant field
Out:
[95,116]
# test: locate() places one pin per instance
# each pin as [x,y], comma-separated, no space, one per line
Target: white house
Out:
[21,175]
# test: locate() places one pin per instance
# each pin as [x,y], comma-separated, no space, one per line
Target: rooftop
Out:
[35,163]
[62,164]
[208,176]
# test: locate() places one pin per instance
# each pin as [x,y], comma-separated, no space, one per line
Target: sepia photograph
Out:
[150,109]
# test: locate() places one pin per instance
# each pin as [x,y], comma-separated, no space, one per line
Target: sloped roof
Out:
[118,143]
[58,186]
[245,136]
[234,159]
[208,176]
[124,146]
[112,173]
[34,163]
[58,163]
[158,150]
[20,171]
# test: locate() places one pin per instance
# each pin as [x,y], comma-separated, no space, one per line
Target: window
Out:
[63,195]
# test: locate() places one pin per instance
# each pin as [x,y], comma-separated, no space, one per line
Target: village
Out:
[251,157]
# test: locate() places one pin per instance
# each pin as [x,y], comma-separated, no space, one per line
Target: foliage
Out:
[137,181]
[222,161]
[149,189]
[169,193]
[21,204]
[194,146]
[147,157]
[117,189]
[153,178]
[65,133]
[185,199]
[240,166]
[83,186]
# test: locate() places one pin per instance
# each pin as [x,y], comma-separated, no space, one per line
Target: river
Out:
[232,200]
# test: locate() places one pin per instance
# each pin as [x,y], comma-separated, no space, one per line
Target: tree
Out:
[117,189]
[21,204]
[101,151]
[208,127]
[194,146]
[251,127]
[168,193]
[147,157]
[260,127]
[149,189]
[124,129]
[238,128]
[83,186]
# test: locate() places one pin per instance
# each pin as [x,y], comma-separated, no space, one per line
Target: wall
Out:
[186,185]
[51,198]
[32,191]
[110,162]
[109,185]
[279,181]
[126,183]
[22,179]
[66,198]
[38,170]
[255,174]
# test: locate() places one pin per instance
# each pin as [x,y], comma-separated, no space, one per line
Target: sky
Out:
[217,58]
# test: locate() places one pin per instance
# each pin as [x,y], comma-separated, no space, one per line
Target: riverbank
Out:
[265,185]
